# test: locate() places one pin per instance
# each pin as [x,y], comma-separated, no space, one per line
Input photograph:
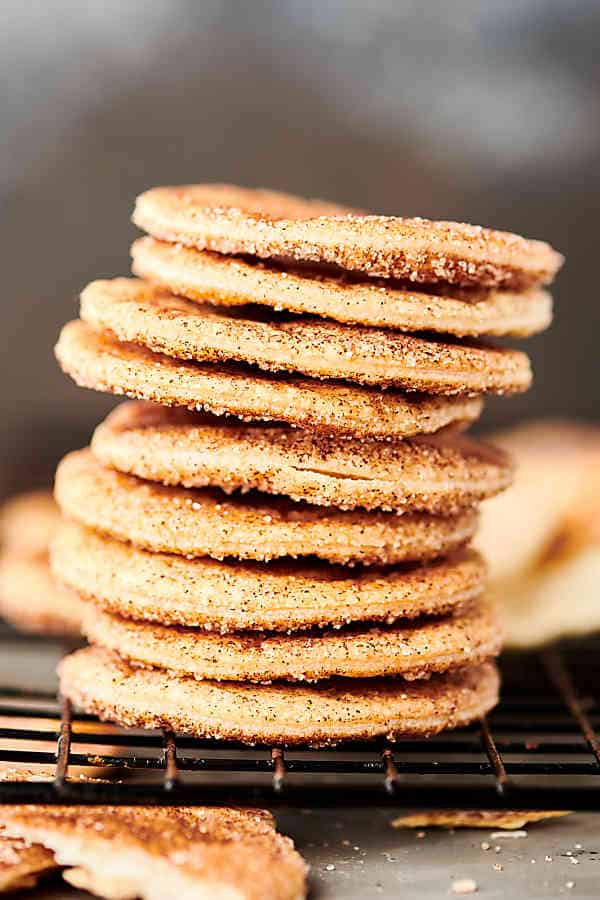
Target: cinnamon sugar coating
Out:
[237,281]
[413,650]
[440,473]
[142,313]
[101,362]
[204,522]
[261,223]
[325,713]
[278,596]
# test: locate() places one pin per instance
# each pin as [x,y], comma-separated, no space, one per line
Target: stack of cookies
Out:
[272,540]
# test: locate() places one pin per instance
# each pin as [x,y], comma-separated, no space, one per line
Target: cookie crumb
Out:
[498,835]
[464,886]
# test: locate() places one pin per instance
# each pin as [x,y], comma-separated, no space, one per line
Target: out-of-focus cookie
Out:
[29,597]
[101,362]
[439,474]
[230,596]
[413,651]
[205,522]
[163,853]
[232,281]
[542,537]
[27,523]
[263,223]
[32,601]
[143,313]
[340,709]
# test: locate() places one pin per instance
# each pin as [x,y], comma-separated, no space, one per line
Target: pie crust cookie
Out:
[101,362]
[235,596]
[205,522]
[101,683]
[142,313]
[264,223]
[234,281]
[413,651]
[439,474]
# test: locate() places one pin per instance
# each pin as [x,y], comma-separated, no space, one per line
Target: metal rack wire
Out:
[538,749]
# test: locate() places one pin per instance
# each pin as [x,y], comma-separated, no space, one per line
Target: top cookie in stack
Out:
[362,332]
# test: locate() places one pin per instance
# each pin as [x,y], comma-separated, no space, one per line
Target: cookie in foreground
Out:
[101,683]
[163,853]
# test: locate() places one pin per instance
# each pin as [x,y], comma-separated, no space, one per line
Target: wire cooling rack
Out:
[538,749]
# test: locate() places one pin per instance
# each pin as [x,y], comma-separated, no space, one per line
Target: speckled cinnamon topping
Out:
[414,651]
[278,596]
[329,711]
[438,473]
[204,522]
[234,281]
[103,363]
[230,219]
[164,853]
[142,313]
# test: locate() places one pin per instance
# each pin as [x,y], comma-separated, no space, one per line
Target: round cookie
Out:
[204,522]
[168,852]
[413,651]
[32,601]
[27,523]
[101,683]
[142,313]
[262,223]
[103,363]
[231,281]
[230,596]
[440,474]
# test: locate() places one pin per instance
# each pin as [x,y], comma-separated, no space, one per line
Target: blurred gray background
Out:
[487,112]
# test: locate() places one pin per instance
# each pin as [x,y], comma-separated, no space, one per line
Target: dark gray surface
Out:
[371,859]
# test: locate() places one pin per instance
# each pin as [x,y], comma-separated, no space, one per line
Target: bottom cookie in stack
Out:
[334,710]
